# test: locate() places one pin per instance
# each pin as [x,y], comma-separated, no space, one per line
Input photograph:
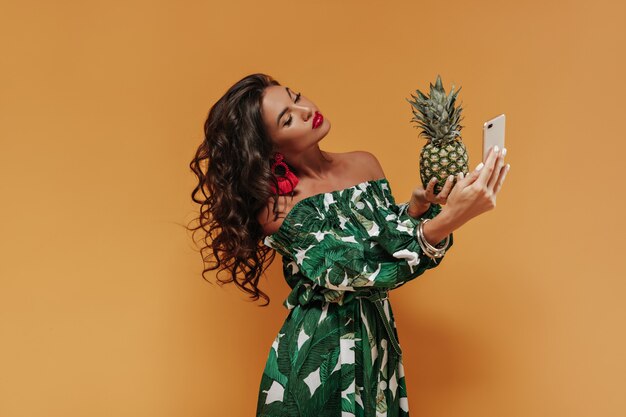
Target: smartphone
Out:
[493,134]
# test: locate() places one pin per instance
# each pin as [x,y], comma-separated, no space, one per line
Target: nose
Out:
[308,113]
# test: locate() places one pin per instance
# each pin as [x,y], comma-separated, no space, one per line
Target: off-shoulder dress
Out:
[337,353]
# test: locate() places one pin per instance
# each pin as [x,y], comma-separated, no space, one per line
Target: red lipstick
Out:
[318,119]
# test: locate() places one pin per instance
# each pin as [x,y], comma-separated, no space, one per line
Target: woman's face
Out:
[289,119]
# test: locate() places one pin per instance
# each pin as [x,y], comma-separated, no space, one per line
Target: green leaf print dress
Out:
[337,353]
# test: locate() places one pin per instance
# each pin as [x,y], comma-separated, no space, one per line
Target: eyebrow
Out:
[284,110]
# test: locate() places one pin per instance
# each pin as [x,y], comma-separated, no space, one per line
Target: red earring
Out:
[287,181]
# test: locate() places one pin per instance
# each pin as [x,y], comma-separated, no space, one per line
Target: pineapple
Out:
[444,154]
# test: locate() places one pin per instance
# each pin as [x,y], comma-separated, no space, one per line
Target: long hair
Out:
[233,168]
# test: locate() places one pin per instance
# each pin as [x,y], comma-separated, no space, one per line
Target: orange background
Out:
[102,308]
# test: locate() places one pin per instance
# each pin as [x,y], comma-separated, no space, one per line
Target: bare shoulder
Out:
[369,162]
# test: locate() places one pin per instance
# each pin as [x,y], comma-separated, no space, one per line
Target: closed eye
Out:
[288,122]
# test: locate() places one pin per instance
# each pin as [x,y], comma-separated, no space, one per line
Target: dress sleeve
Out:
[338,258]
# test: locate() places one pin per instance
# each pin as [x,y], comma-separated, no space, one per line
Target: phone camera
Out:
[490,124]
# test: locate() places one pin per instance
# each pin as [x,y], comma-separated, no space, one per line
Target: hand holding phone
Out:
[475,193]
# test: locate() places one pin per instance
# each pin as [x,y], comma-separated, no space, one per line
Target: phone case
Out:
[493,134]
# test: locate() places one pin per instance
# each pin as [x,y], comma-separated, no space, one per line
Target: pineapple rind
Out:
[441,162]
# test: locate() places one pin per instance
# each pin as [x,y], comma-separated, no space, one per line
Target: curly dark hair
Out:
[233,167]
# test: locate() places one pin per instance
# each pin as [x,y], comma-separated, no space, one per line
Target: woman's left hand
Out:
[422,198]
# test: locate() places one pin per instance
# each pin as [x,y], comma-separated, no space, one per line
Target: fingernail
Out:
[503,151]
[495,149]
[451,177]
[479,166]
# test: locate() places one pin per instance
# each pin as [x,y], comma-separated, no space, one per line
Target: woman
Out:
[344,244]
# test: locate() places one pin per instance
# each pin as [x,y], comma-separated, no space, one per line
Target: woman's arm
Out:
[439,227]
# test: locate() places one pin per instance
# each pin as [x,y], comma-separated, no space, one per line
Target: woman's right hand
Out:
[476,193]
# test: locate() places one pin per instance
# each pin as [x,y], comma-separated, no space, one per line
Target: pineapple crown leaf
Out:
[436,114]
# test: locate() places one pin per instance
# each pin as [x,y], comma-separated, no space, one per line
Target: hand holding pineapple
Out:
[422,198]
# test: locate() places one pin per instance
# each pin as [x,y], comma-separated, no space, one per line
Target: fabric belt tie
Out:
[377,298]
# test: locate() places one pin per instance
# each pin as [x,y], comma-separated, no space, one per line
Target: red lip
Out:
[317,120]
